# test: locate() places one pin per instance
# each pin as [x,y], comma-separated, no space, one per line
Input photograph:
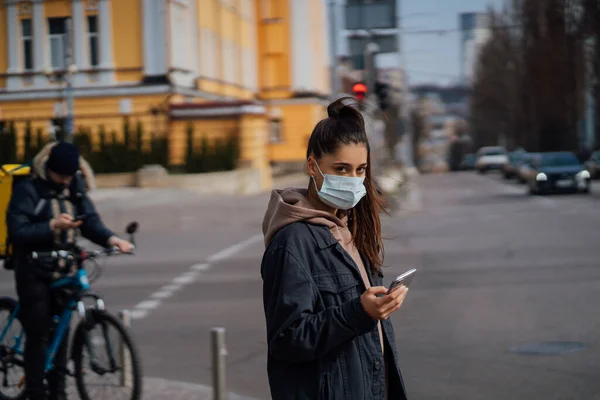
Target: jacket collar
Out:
[322,236]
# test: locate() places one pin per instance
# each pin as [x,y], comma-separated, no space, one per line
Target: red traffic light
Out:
[359,90]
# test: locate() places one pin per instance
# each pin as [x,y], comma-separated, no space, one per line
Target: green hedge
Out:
[112,155]
[222,155]
[8,143]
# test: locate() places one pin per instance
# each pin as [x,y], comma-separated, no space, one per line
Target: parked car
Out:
[524,167]
[509,169]
[558,172]
[490,158]
[468,162]
[592,165]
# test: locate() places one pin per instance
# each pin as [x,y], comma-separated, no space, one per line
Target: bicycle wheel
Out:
[98,354]
[12,373]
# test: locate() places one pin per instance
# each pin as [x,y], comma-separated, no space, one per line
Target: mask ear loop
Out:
[313,178]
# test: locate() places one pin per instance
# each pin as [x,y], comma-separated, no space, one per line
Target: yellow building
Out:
[259,67]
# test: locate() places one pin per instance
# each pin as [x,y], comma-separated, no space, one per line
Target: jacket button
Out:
[377,365]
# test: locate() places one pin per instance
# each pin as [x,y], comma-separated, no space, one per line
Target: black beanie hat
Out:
[63,159]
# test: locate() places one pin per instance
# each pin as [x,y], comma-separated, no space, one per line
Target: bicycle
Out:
[73,289]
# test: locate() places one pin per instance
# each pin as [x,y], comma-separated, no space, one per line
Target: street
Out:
[496,269]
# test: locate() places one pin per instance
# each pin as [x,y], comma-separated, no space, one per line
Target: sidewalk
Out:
[161,389]
[142,197]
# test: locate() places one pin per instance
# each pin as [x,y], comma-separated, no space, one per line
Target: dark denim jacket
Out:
[321,342]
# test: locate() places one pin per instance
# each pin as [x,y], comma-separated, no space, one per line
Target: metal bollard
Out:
[125,357]
[219,363]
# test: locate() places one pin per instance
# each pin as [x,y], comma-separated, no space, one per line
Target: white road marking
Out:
[142,309]
[200,267]
[232,250]
[148,304]
[163,294]
[171,287]
[186,278]
[139,314]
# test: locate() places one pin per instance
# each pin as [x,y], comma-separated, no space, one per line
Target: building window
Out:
[93,39]
[58,42]
[27,38]
[275,133]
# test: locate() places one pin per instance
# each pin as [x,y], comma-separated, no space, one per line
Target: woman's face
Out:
[348,160]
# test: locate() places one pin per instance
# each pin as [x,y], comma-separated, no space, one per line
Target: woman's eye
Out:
[361,170]
[342,170]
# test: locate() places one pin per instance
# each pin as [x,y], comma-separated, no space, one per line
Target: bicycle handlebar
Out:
[78,256]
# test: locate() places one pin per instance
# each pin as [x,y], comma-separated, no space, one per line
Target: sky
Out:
[431,58]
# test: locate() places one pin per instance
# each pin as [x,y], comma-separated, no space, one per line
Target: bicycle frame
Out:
[79,282]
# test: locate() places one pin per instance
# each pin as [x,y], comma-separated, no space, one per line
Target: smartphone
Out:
[405,279]
[81,217]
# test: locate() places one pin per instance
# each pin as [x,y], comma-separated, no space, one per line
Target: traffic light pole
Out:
[370,70]
[69,81]
[406,146]
[333,38]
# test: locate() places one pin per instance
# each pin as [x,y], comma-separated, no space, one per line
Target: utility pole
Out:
[69,80]
[407,137]
[333,38]
[370,68]
[589,93]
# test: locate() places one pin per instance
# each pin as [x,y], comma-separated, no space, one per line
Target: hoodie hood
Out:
[292,205]
[38,167]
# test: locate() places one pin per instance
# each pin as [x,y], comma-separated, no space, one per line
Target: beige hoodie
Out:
[292,205]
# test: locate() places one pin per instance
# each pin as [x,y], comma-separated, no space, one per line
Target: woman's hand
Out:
[380,308]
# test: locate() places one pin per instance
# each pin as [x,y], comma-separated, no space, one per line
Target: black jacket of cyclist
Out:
[41,217]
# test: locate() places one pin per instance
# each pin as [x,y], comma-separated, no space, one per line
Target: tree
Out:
[528,85]
[11,144]
[28,150]
[39,138]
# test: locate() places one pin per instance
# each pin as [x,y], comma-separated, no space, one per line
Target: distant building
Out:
[475,32]
[353,24]
[257,68]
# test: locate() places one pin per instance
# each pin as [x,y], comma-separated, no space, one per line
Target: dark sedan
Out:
[468,162]
[593,165]
[558,172]
[510,169]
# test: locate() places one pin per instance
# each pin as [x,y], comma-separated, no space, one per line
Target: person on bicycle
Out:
[42,217]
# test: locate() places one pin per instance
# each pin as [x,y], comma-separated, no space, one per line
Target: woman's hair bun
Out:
[344,107]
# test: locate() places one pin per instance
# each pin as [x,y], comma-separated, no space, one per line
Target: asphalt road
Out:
[496,269]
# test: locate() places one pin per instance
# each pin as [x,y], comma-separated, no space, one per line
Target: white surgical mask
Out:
[341,192]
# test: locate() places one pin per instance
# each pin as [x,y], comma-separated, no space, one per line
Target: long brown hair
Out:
[346,125]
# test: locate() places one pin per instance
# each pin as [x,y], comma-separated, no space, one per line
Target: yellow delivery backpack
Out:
[10,174]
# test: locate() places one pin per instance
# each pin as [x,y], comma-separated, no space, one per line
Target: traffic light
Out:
[383,97]
[359,90]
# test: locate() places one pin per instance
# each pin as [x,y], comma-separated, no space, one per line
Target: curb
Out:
[161,389]
[158,388]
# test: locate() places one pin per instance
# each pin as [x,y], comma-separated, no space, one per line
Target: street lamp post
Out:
[66,76]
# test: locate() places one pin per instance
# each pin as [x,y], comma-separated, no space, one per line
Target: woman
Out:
[328,332]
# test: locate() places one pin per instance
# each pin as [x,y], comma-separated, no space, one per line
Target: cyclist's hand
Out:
[123,245]
[64,222]
[381,307]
